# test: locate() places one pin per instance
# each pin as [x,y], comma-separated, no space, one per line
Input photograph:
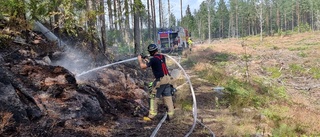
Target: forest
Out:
[131,23]
[69,68]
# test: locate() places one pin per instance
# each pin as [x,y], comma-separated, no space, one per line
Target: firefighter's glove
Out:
[150,86]
[143,56]
[152,95]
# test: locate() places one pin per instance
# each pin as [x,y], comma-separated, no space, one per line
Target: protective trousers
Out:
[169,103]
[167,100]
[161,88]
[153,110]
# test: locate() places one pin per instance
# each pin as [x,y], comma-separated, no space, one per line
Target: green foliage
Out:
[274,71]
[302,54]
[213,75]
[12,8]
[240,94]
[297,69]
[38,9]
[124,49]
[138,6]
[243,94]
[279,92]
[4,40]
[275,113]
[190,62]
[172,20]
[189,21]
[315,72]
[186,105]
[220,57]
[223,15]
[298,48]
[302,28]
[284,131]
[246,57]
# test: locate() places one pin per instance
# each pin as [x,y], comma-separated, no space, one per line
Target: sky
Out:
[194,4]
[175,6]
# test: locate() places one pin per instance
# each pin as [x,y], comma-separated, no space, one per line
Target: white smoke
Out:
[74,60]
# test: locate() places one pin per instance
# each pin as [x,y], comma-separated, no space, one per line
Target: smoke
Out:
[72,59]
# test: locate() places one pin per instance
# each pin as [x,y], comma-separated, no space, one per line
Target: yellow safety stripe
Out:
[152,111]
[170,113]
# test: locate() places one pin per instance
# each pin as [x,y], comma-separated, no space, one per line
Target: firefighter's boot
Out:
[169,103]
[153,110]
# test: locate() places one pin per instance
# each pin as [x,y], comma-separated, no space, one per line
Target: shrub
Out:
[244,94]
[284,131]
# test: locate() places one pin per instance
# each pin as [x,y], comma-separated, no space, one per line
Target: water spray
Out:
[108,65]
[194,110]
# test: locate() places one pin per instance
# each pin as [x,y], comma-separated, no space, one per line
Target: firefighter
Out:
[190,42]
[161,86]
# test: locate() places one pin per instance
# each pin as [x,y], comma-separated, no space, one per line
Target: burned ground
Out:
[41,98]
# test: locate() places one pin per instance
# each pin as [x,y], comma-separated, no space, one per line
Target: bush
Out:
[304,27]
[244,94]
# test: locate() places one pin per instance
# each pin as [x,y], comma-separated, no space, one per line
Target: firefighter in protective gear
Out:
[161,86]
[190,43]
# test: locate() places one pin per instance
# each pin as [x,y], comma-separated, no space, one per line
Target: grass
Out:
[274,72]
[296,69]
[275,113]
[186,105]
[266,89]
[189,63]
[284,130]
[302,54]
[298,48]
[315,72]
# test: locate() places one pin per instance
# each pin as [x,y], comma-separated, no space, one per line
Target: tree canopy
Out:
[115,18]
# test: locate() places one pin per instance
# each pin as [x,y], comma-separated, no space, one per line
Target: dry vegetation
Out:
[271,88]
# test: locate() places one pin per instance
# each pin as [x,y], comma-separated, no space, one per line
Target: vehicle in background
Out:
[173,40]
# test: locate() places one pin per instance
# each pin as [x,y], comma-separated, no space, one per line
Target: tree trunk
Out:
[181,13]
[312,18]
[110,14]
[160,12]
[120,19]
[298,14]
[90,23]
[127,24]
[285,21]
[237,18]
[103,26]
[261,19]
[278,18]
[136,29]
[154,21]
[168,13]
[292,14]
[140,33]
[209,20]
[115,14]
[149,21]
[271,22]
[268,20]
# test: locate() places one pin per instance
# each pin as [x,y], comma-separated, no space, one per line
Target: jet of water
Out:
[108,65]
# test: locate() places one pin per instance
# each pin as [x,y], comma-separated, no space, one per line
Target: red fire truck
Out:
[173,40]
